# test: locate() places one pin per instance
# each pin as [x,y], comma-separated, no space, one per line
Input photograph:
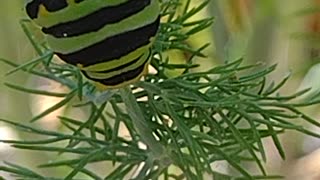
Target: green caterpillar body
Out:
[109,40]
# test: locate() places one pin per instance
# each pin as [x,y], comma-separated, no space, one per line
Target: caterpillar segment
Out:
[109,40]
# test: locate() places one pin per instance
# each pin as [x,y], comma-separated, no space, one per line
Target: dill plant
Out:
[187,122]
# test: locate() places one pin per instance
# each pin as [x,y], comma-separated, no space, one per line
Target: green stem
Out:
[158,151]
[140,124]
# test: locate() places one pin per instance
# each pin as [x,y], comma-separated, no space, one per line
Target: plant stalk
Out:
[140,124]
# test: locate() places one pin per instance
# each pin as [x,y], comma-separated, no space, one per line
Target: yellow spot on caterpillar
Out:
[43,11]
[71,2]
[80,66]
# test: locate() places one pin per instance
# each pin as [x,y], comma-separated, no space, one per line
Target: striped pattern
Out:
[109,40]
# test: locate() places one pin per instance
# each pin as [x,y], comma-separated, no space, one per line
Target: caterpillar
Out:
[109,40]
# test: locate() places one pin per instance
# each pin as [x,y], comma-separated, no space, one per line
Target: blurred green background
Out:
[285,32]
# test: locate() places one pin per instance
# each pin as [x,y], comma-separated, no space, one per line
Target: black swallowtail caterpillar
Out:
[109,40]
